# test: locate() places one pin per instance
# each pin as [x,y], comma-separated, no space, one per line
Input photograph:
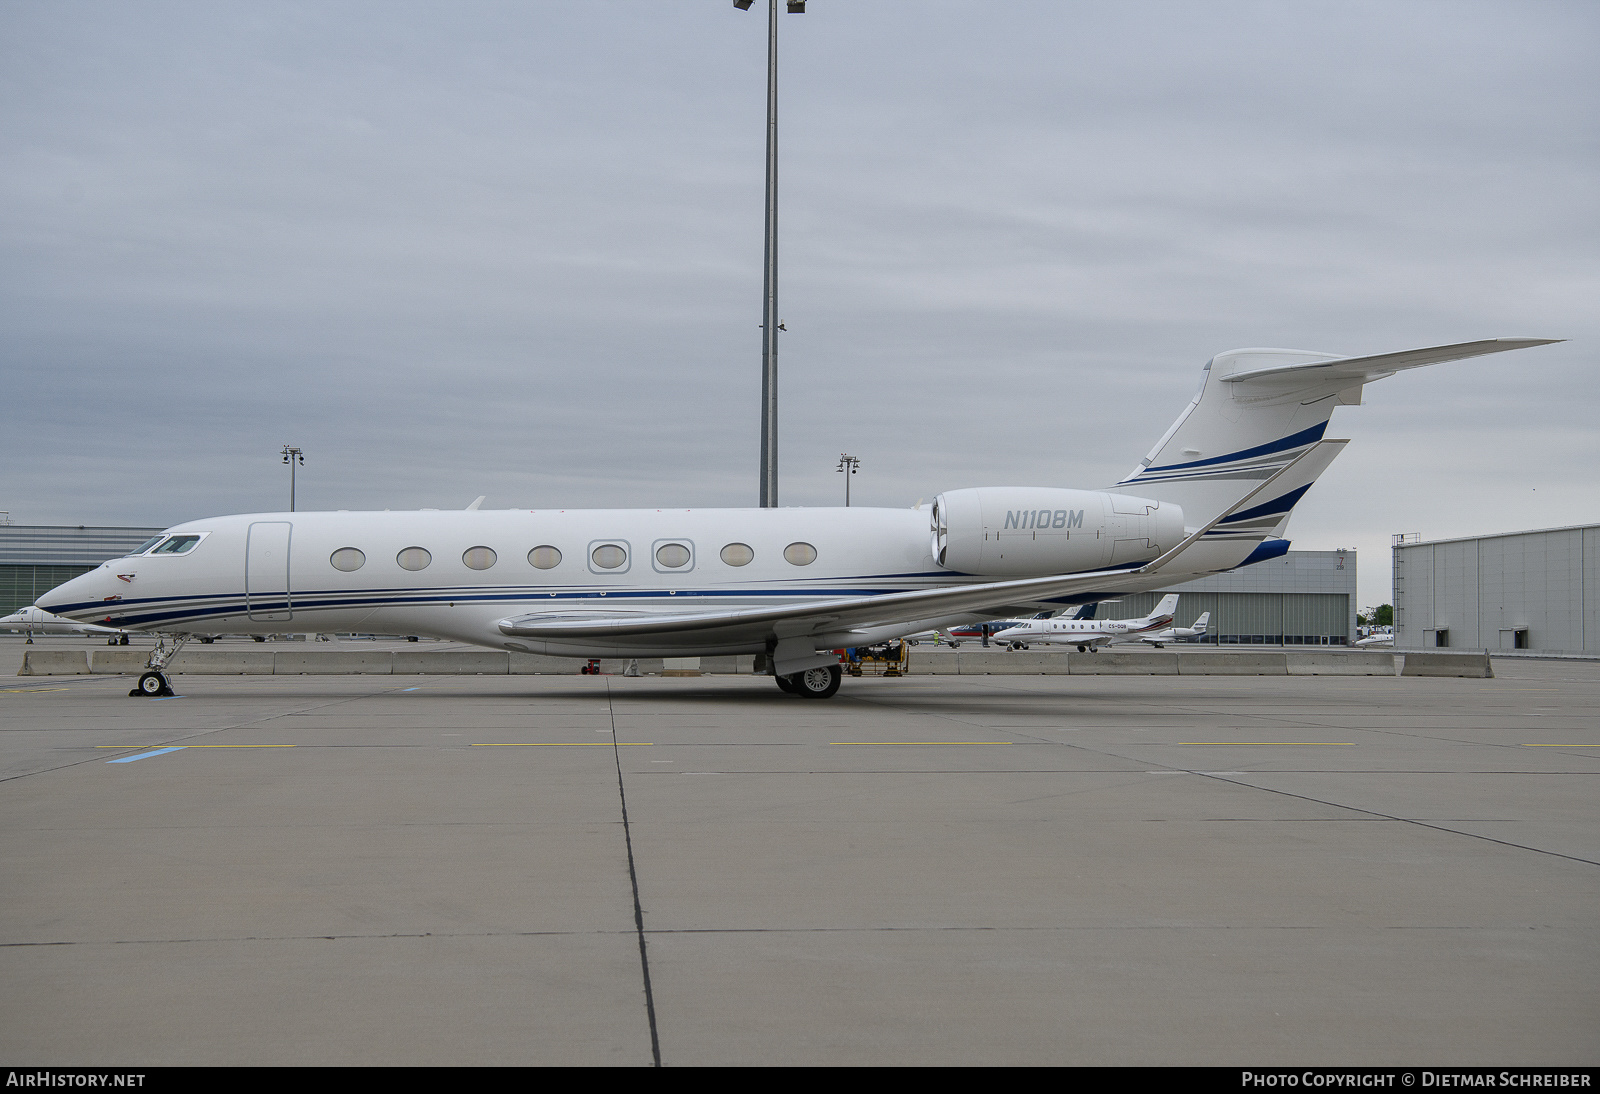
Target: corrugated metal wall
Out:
[1250,618]
[1534,590]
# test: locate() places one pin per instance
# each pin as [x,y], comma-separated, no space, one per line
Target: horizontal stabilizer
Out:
[1359,370]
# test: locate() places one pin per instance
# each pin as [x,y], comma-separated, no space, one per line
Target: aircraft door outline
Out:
[267,593]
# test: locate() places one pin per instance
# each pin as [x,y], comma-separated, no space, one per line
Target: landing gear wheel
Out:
[1083,649]
[786,685]
[152,685]
[123,641]
[817,683]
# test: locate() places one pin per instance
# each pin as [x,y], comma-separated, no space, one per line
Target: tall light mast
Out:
[769,288]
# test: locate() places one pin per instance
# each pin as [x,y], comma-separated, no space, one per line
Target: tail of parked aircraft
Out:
[1255,412]
[1202,623]
[1168,605]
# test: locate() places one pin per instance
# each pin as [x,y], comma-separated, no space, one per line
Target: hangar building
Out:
[1536,590]
[35,558]
[1303,598]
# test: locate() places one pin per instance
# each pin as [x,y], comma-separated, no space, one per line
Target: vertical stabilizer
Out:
[1256,411]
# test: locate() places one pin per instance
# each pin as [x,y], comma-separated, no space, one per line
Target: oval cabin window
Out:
[608,556]
[479,558]
[348,559]
[738,554]
[544,557]
[800,554]
[672,555]
[414,558]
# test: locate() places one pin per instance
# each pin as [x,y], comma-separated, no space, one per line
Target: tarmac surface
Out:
[1245,871]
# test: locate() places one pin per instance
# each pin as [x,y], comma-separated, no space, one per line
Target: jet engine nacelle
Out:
[1023,531]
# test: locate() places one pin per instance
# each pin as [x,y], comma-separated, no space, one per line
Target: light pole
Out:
[847,467]
[769,292]
[294,458]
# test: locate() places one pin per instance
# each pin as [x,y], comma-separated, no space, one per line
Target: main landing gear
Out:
[819,683]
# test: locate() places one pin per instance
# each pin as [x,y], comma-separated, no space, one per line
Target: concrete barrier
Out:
[679,666]
[1469,663]
[1124,664]
[451,662]
[226,662]
[1340,663]
[119,662]
[1242,663]
[726,665]
[333,662]
[54,663]
[1004,663]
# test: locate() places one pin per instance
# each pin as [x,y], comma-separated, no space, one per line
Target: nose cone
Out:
[86,598]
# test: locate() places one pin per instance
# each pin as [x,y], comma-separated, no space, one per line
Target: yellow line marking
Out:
[562,744]
[30,691]
[1349,743]
[920,742]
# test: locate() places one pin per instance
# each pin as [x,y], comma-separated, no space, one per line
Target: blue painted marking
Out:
[147,755]
[410,689]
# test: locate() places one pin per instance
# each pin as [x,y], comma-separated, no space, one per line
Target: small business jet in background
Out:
[35,620]
[788,585]
[1160,640]
[1088,634]
[1382,640]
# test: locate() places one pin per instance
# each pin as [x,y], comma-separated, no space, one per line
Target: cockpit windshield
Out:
[146,545]
[177,545]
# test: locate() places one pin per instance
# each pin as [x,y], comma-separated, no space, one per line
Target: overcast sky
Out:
[514,249]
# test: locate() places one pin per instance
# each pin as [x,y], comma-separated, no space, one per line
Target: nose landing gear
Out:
[153,683]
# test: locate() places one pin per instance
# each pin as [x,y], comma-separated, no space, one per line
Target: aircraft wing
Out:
[1357,370]
[815,618]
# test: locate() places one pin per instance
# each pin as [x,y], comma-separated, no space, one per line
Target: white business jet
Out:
[1088,634]
[1160,640]
[789,585]
[35,620]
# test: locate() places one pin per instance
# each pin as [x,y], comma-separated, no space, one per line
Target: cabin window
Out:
[544,557]
[348,559]
[738,554]
[414,558]
[608,556]
[672,556]
[177,545]
[479,558]
[800,554]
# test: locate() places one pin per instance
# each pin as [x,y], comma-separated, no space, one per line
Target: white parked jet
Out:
[35,620]
[790,585]
[1160,640]
[1088,634]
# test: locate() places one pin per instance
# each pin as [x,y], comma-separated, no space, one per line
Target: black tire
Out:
[820,683]
[124,641]
[1083,649]
[152,684]
[786,685]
